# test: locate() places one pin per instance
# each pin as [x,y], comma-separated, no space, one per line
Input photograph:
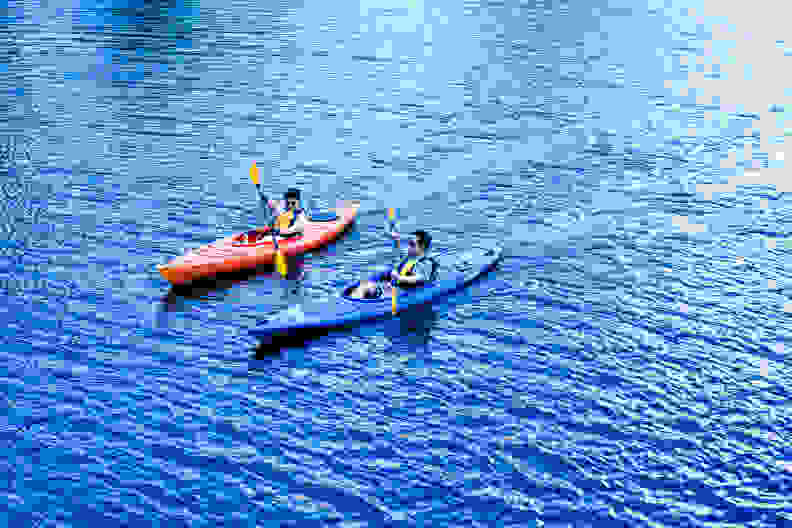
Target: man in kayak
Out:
[290,219]
[414,270]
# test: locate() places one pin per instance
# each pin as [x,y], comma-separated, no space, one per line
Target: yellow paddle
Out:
[391,218]
[254,175]
[394,288]
[280,258]
[394,295]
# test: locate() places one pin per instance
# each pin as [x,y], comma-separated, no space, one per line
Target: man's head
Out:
[419,243]
[292,198]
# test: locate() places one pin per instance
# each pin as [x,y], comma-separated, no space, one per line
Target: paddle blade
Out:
[254,174]
[393,299]
[392,222]
[280,264]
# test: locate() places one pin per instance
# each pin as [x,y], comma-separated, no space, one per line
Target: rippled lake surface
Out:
[625,364]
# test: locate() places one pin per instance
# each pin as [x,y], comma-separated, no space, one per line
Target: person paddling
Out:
[289,220]
[416,269]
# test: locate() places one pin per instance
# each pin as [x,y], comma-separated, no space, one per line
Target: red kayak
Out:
[237,252]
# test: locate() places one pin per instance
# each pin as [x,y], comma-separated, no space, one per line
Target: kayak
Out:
[237,252]
[455,270]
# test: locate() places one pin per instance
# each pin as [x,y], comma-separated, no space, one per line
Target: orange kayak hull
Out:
[232,254]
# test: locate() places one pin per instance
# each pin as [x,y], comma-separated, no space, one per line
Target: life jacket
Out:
[406,266]
[288,218]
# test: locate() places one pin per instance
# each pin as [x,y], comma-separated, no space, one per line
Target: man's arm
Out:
[275,206]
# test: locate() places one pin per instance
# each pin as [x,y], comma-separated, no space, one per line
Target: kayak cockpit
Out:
[380,293]
[260,238]
[323,216]
[376,296]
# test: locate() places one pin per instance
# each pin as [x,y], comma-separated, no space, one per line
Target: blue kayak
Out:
[454,270]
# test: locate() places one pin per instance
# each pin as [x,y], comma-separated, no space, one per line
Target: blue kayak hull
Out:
[456,270]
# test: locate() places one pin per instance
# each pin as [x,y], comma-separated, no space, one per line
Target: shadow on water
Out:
[272,346]
[216,287]
[410,330]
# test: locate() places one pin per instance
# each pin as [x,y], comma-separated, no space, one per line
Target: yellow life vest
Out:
[287,219]
[406,266]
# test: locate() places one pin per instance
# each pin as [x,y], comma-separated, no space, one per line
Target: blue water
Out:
[626,364]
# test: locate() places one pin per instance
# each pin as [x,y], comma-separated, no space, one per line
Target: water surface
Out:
[625,364]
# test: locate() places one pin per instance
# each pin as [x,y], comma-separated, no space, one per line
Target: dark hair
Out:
[424,238]
[292,193]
